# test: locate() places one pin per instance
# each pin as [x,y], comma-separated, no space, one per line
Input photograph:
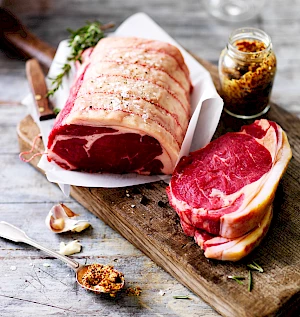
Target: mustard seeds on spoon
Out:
[103,278]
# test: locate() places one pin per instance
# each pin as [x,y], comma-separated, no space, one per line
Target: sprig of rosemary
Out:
[87,36]
[255,266]
[56,111]
[57,81]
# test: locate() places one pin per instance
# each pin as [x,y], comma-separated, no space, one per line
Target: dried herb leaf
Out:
[238,279]
[249,281]
[181,297]
[255,266]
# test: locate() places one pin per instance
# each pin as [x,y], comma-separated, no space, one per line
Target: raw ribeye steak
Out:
[226,188]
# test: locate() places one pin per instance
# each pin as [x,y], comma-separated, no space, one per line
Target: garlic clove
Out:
[80,226]
[70,248]
[57,224]
[58,220]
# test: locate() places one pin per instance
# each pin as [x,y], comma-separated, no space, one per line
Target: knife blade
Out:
[44,109]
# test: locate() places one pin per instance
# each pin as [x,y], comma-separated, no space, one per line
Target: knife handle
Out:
[15,36]
[39,90]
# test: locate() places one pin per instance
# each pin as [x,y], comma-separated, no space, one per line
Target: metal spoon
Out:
[15,234]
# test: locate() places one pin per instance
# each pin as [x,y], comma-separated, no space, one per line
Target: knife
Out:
[44,109]
[16,38]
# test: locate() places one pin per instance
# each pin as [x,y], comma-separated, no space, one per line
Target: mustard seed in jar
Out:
[247,68]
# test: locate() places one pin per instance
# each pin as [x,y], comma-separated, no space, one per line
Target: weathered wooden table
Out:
[27,283]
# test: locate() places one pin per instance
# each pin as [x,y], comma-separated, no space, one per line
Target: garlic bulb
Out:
[58,220]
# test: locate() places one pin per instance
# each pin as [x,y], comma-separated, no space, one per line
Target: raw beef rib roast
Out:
[128,110]
[225,190]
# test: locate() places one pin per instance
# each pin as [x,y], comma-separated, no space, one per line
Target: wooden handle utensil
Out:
[15,36]
[39,90]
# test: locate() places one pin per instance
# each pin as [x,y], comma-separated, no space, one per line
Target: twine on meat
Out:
[31,150]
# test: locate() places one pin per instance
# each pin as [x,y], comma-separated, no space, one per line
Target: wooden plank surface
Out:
[26,194]
[156,231]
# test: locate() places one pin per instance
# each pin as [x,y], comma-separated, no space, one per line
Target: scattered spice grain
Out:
[144,200]
[161,204]
[134,291]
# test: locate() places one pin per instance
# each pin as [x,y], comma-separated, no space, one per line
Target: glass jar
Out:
[247,68]
[234,10]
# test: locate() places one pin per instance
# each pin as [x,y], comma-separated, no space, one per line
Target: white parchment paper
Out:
[205,102]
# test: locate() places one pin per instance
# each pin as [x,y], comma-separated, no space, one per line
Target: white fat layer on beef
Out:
[91,139]
[103,104]
[123,88]
[139,71]
[238,248]
[154,59]
[130,76]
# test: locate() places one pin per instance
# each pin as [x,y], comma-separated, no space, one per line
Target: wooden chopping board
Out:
[154,228]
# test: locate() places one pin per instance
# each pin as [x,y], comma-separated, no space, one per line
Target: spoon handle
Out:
[15,234]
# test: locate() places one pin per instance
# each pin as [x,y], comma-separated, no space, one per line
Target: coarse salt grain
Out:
[124,94]
[145,116]
[13,268]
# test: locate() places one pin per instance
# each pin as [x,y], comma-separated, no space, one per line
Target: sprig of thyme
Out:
[87,36]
